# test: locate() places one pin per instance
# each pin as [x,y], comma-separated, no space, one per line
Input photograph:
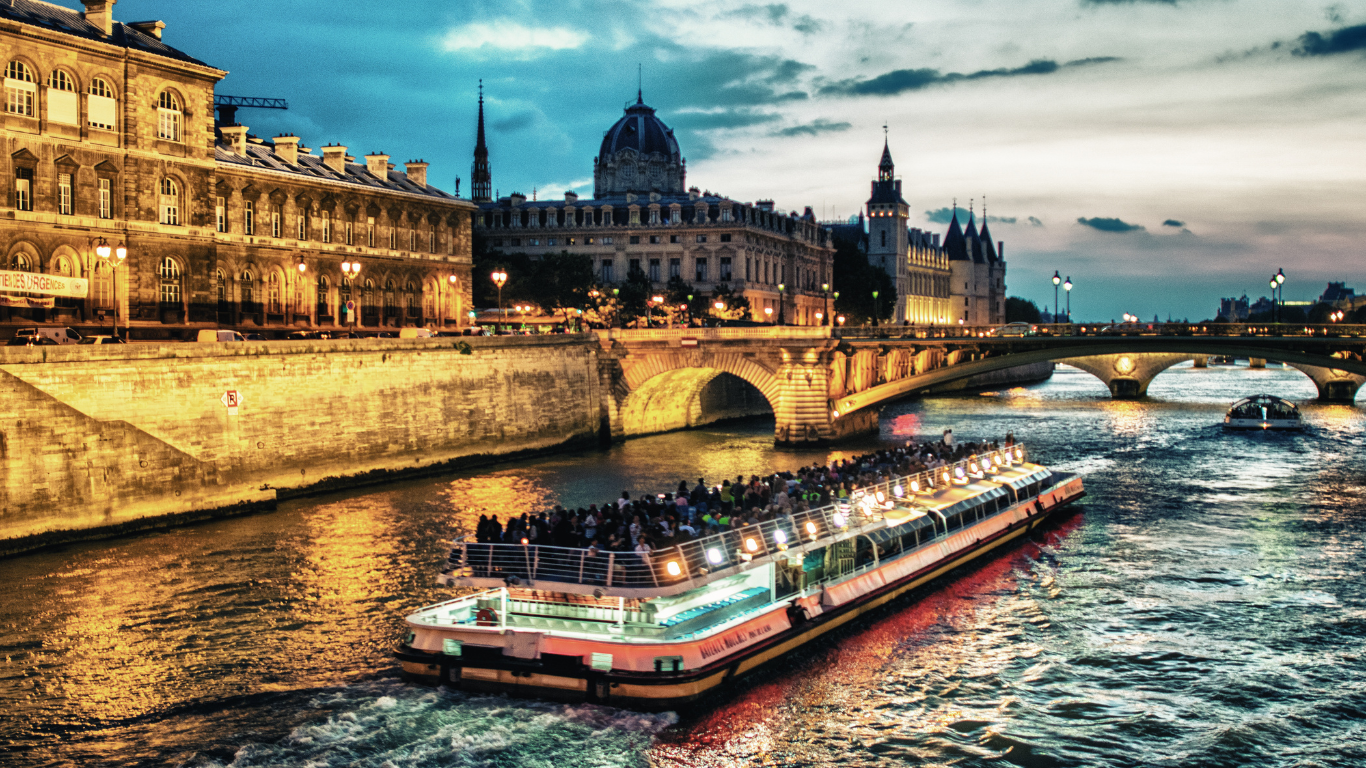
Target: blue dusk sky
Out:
[1161,153]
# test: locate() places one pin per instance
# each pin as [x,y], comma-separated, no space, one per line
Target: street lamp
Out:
[1280,282]
[452,279]
[656,300]
[836,294]
[875,312]
[351,271]
[1056,280]
[1067,286]
[768,314]
[825,289]
[113,256]
[781,287]
[841,320]
[500,277]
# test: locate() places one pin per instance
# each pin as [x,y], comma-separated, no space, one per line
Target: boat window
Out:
[667,663]
[452,647]
[601,662]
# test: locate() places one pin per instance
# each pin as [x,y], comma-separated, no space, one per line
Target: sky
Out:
[1160,153]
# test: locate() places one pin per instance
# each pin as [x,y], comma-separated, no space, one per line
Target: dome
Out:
[641,131]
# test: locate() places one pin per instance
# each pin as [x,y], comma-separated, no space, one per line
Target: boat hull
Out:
[660,691]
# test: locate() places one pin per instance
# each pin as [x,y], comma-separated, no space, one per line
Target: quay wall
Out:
[116,437]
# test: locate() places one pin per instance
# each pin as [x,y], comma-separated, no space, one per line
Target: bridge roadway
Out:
[824,384]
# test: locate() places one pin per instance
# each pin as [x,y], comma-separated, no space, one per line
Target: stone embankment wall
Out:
[121,437]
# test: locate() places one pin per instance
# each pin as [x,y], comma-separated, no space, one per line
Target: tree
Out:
[634,295]
[560,282]
[736,306]
[1020,310]
[855,280]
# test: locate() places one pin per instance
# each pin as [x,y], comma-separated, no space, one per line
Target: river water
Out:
[1204,606]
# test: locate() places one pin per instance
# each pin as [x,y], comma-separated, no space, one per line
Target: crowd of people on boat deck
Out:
[646,523]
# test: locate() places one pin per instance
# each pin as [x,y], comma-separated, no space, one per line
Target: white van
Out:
[59,335]
[211,335]
[415,333]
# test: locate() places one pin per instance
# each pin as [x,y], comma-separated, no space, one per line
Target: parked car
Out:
[30,341]
[212,335]
[102,340]
[1017,329]
[255,337]
[58,335]
[415,333]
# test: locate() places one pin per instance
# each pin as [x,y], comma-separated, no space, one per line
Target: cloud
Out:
[819,126]
[902,80]
[777,14]
[510,36]
[515,122]
[1110,225]
[1345,40]
[1128,2]
[1173,223]
[705,120]
[1033,222]
[945,215]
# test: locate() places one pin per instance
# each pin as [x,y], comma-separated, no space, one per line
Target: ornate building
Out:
[642,218]
[961,280]
[110,141]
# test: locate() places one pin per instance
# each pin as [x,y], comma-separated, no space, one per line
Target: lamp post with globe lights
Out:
[875,309]
[1056,280]
[350,272]
[1067,286]
[499,278]
[113,256]
[781,288]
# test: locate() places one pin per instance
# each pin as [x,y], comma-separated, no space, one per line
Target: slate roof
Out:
[955,244]
[988,244]
[640,130]
[67,21]
[312,166]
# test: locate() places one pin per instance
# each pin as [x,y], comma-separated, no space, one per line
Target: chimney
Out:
[417,172]
[1001,250]
[287,149]
[100,13]
[236,136]
[334,157]
[571,197]
[152,28]
[378,165]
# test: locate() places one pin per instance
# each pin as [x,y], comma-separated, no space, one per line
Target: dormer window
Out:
[168,117]
[19,89]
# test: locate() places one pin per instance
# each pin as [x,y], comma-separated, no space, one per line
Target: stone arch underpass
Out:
[1126,371]
[660,392]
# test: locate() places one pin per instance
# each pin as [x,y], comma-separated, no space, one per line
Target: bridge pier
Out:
[1126,375]
[1201,361]
[1256,362]
[1334,385]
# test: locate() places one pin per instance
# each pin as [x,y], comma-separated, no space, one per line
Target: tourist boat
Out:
[657,633]
[1263,412]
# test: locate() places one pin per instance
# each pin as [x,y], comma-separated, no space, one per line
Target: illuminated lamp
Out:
[811,529]
[780,537]
[839,519]
[1019,454]
[673,568]
[714,556]
[915,486]
[524,541]
[881,497]
[898,491]
[751,545]
[946,477]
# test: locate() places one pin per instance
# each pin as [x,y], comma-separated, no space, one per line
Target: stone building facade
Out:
[642,217]
[110,139]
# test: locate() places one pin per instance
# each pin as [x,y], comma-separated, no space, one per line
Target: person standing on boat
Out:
[643,552]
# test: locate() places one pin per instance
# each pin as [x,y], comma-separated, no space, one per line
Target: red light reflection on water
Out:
[906,425]
[743,729]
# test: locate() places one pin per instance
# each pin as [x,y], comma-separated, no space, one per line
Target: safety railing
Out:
[690,560]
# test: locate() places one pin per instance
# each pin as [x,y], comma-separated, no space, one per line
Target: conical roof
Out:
[955,245]
[988,244]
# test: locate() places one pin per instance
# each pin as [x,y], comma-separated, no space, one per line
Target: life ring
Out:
[486,617]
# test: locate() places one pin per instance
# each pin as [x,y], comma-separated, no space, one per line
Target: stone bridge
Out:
[822,385]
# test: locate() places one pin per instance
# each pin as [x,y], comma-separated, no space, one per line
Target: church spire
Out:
[885,169]
[481,178]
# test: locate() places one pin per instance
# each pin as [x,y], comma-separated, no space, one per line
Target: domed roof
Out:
[640,130]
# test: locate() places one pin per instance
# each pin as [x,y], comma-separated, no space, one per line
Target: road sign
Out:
[231,399]
[350,306]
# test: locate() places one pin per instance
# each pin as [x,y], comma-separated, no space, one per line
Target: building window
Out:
[550,241]
[534,241]
[106,199]
[324,297]
[370,231]
[221,287]
[412,240]
[675,268]
[248,289]
[101,106]
[515,242]
[654,270]
[635,239]
[168,117]
[393,239]
[169,271]
[273,293]
[654,239]
[19,89]
[725,269]
[725,213]
[327,226]
[702,270]
[674,238]
[64,193]
[170,202]
[275,221]
[633,268]
[607,274]
[102,289]
[701,238]
[607,241]
[747,273]
[635,216]
[220,214]
[654,215]
[725,238]
[63,105]
[884,239]
[249,217]
[676,216]
[303,226]
[350,233]
[23,189]
[299,296]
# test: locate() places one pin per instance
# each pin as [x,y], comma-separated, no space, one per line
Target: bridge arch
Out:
[667,391]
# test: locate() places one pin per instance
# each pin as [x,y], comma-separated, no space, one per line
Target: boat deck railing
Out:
[685,562]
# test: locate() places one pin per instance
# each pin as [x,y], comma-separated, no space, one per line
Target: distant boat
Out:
[1263,412]
[1221,360]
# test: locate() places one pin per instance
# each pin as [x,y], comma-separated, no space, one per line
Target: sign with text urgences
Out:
[48,285]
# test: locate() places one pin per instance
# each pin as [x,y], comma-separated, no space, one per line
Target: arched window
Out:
[273,293]
[390,305]
[368,295]
[324,296]
[429,300]
[102,288]
[61,81]
[168,117]
[410,297]
[248,288]
[21,263]
[221,286]
[63,266]
[169,271]
[299,295]
[102,106]
[19,89]
[170,202]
